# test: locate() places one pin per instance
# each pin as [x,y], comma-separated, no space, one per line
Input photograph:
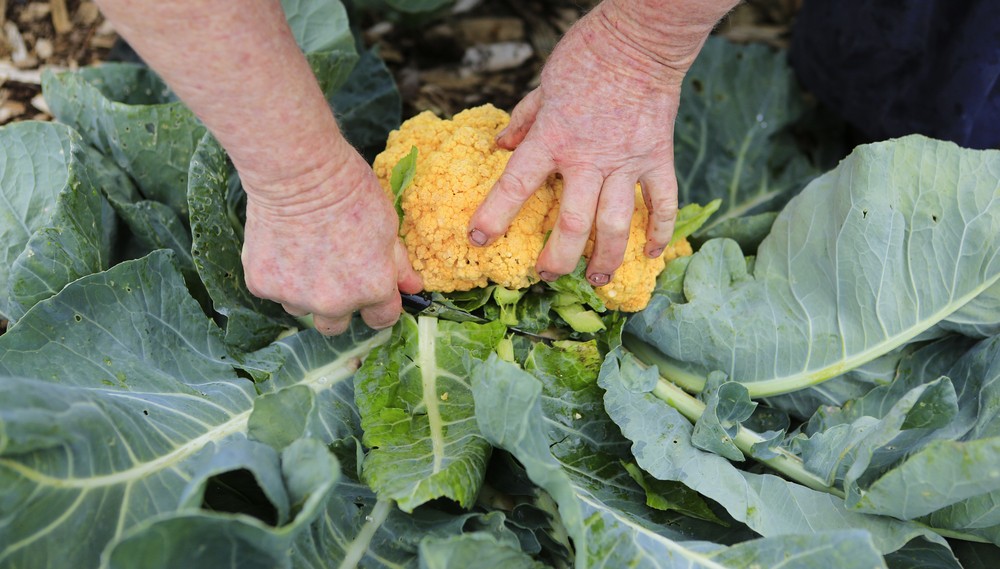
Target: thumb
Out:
[521,119]
[408,281]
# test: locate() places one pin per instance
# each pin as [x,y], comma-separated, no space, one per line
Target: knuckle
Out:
[572,224]
[613,227]
[514,186]
[381,320]
[664,212]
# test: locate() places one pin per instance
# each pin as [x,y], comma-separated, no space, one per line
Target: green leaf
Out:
[473,550]
[848,549]
[319,26]
[279,418]
[909,235]
[399,180]
[368,105]
[748,231]
[319,363]
[845,452]
[417,411]
[770,506]
[920,554]
[510,413]
[941,474]
[358,530]
[128,114]
[323,32]
[727,404]
[668,495]
[118,401]
[575,286]
[216,249]
[731,138]
[692,217]
[55,226]
[308,470]
[418,6]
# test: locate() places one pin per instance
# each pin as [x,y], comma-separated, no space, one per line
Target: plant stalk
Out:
[785,462]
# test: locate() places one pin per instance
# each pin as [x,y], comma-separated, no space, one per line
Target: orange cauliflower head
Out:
[458,163]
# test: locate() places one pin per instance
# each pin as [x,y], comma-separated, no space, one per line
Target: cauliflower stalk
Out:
[458,162]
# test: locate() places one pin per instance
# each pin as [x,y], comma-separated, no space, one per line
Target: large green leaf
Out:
[417,411]
[359,530]
[55,225]
[368,105]
[473,550]
[939,464]
[319,25]
[878,253]
[510,413]
[217,244]
[323,32]
[119,402]
[594,453]
[731,138]
[128,113]
[308,473]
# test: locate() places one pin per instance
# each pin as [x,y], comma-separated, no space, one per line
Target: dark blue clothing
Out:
[896,67]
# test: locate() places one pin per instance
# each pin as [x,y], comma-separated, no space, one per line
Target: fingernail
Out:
[547,276]
[599,279]
[500,134]
[655,253]
[477,237]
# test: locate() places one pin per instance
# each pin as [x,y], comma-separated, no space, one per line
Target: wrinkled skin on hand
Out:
[331,251]
[603,118]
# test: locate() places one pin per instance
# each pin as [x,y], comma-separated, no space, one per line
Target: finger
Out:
[614,219]
[569,237]
[407,279]
[383,314]
[526,171]
[331,326]
[659,189]
[294,310]
[521,119]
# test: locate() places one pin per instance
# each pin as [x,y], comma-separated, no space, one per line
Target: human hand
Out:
[330,250]
[603,118]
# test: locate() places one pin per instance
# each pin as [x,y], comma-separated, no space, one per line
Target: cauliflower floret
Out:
[458,162]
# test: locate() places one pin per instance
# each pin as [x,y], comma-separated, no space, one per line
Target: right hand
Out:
[329,248]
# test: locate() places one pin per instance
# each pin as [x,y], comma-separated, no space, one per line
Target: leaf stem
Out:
[785,462]
[427,332]
[358,548]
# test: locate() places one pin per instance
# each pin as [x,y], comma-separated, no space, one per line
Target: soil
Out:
[449,63]
[480,51]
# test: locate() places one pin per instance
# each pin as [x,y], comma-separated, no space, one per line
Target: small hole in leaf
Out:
[150,128]
[864,214]
[934,218]
[244,374]
[697,85]
[78,318]
[145,412]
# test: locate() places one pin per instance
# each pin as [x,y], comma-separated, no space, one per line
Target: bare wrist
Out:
[668,32]
[326,177]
